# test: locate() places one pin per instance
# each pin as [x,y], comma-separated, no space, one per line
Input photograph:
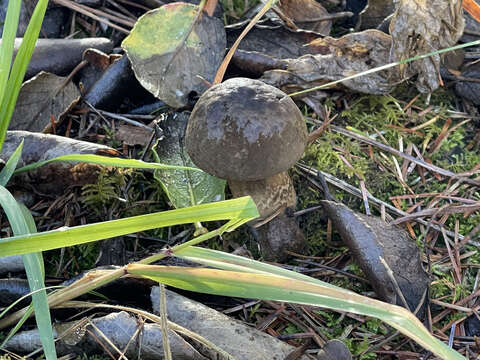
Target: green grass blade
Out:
[11,164]
[279,288]
[20,67]
[22,223]
[240,210]
[107,161]
[8,41]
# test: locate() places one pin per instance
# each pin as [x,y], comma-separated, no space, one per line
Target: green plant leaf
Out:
[11,164]
[22,223]
[183,188]
[280,288]
[238,211]
[20,67]
[107,161]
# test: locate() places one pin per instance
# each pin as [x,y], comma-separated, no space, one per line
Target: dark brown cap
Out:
[245,130]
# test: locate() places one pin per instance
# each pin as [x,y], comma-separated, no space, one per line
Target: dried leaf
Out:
[133,135]
[172,48]
[348,55]
[370,238]
[42,97]
[419,27]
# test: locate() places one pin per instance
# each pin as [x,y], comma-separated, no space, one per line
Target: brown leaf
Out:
[41,97]
[348,55]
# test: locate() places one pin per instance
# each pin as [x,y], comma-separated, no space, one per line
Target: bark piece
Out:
[119,328]
[12,289]
[117,83]
[60,56]
[469,89]
[98,63]
[11,264]
[241,341]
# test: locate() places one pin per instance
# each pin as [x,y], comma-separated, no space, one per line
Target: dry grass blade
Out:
[472,8]
[210,6]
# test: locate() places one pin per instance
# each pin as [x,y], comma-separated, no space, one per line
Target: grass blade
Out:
[11,164]
[279,288]
[8,43]
[20,67]
[22,223]
[107,161]
[239,210]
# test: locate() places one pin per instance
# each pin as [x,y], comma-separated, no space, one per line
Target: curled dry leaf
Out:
[42,98]
[369,238]
[173,48]
[348,55]
[306,14]
[279,43]
[55,176]
[422,26]
[60,56]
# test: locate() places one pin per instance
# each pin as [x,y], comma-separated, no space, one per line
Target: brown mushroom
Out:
[251,133]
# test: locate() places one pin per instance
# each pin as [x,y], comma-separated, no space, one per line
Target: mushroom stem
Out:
[272,194]
[269,194]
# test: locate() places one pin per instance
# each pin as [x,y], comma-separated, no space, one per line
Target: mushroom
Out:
[250,134]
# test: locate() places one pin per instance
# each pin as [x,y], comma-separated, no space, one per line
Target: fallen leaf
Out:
[173,48]
[41,97]
[183,188]
[348,55]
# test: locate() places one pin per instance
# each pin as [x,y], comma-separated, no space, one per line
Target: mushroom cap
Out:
[245,130]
